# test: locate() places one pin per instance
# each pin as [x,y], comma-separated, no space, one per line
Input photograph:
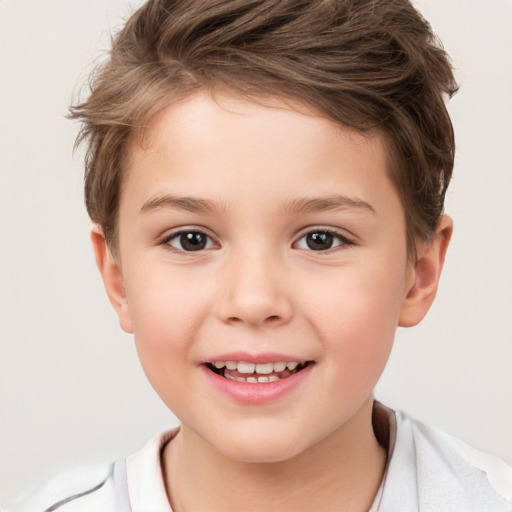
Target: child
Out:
[267,181]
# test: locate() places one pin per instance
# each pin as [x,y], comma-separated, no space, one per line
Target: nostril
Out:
[254,306]
[273,319]
[234,319]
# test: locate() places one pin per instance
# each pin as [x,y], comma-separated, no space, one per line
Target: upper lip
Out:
[245,357]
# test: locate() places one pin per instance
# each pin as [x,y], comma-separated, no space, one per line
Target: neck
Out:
[341,472]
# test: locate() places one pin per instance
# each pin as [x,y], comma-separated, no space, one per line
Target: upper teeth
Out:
[262,368]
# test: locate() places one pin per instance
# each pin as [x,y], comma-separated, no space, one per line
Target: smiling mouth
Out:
[256,373]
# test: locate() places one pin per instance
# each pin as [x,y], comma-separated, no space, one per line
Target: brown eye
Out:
[321,241]
[190,241]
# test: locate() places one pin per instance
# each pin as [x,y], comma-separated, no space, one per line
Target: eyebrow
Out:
[318,204]
[302,205]
[190,204]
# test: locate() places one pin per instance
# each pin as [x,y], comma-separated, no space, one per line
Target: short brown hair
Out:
[363,63]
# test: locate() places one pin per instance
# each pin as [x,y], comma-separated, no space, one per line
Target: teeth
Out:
[265,369]
[279,367]
[260,368]
[257,380]
[246,367]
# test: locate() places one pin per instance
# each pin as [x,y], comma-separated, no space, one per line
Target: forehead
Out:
[216,111]
[217,144]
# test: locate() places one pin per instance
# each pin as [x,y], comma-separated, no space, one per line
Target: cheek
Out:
[164,327]
[166,312]
[163,299]
[357,320]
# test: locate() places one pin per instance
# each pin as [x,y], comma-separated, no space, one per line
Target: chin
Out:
[264,447]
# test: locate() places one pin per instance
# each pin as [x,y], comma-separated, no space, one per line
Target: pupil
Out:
[320,241]
[193,241]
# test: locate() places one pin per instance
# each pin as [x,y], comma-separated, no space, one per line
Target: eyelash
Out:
[210,243]
[341,239]
[178,234]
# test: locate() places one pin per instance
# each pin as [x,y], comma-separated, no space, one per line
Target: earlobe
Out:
[112,277]
[425,275]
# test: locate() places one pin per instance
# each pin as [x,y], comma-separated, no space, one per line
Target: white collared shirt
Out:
[427,471]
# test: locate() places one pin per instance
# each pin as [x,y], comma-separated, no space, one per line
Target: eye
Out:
[190,241]
[321,240]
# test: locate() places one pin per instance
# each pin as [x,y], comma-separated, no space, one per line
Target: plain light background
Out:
[71,389]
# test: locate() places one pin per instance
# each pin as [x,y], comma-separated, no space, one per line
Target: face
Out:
[264,271]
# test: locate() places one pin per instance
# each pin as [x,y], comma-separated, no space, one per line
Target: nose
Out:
[254,292]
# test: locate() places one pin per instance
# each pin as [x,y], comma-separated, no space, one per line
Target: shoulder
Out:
[444,472]
[99,488]
[491,468]
[134,483]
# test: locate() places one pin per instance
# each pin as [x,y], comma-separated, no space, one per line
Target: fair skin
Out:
[263,233]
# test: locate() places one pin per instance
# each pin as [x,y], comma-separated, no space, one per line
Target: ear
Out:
[425,274]
[112,276]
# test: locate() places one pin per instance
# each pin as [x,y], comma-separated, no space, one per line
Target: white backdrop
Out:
[71,390]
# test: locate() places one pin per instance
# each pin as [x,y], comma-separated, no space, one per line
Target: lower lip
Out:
[255,394]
